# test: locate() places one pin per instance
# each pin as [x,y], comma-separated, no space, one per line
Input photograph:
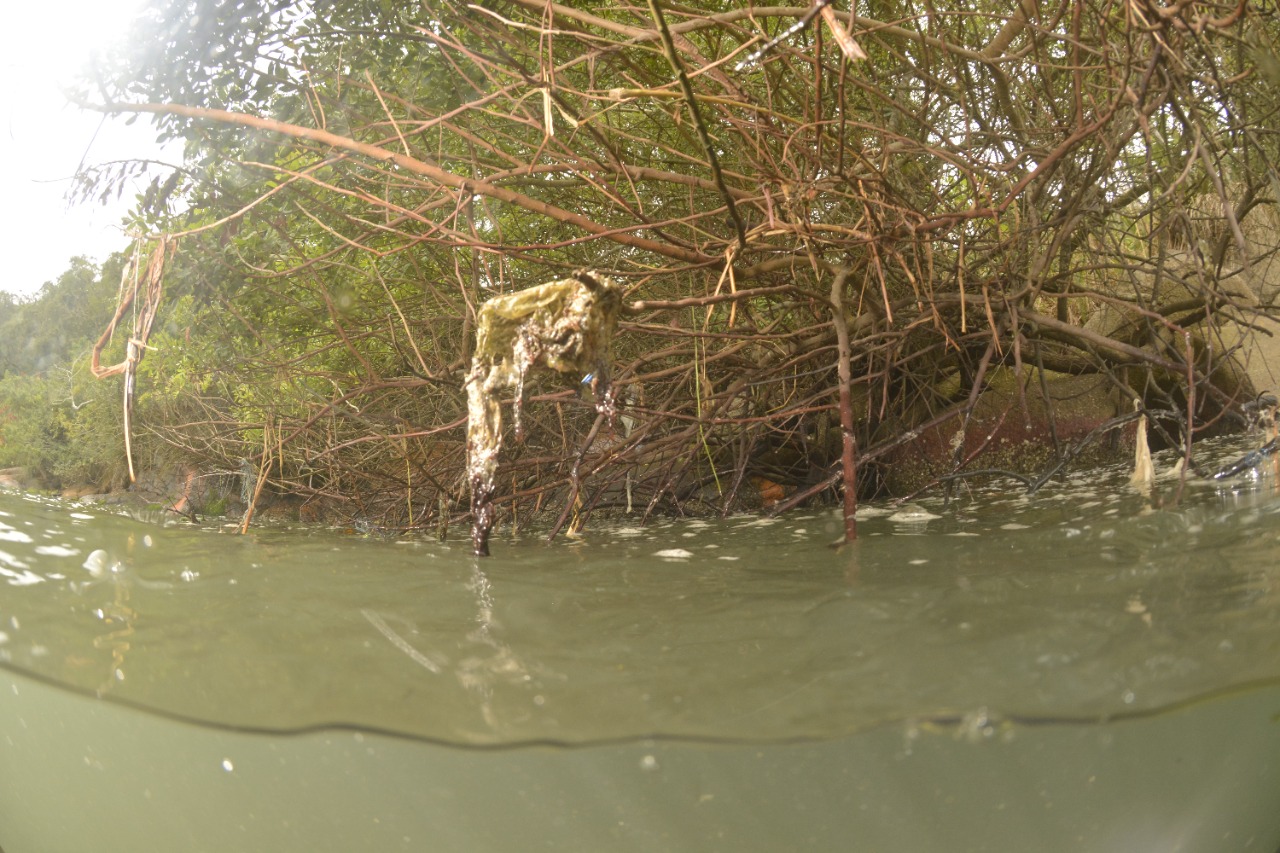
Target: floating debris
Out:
[99,563]
[912,514]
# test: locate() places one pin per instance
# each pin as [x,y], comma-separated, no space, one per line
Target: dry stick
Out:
[850,48]
[390,117]
[958,471]
[575,478]
[746,442]
[404,324]
[872,453]
[849,449]
[1075,449]
[136,346]
[430,171]
[1191,410]
[978,378]
[263,467]
[669,46]
[633,308]
[128,295]
[1107,346]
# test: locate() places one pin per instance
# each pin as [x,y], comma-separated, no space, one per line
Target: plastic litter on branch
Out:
[566,326]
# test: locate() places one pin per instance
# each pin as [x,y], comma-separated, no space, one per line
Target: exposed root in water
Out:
[1249,461]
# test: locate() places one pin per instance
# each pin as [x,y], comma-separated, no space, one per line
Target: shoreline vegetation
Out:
[859,257]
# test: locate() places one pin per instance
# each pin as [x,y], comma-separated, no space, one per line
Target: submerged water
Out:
[736,684]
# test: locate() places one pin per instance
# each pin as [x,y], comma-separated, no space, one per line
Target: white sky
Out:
[43,139]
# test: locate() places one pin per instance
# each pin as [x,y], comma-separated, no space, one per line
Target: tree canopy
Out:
[818,249]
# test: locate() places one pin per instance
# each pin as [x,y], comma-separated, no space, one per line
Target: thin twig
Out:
[713,160]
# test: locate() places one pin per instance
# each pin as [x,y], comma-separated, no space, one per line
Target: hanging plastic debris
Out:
[564,325]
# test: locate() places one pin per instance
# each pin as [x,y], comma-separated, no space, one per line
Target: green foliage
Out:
[56,420]
[61,321]
[62,426]
[33,427]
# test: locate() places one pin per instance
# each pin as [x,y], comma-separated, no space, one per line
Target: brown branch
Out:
[413,166]
[849,441]
[713,160]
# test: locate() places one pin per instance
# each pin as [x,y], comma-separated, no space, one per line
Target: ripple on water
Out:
[56,551]
[1087,595]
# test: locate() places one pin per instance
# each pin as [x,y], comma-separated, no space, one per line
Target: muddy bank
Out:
[1026,429]
[176,494]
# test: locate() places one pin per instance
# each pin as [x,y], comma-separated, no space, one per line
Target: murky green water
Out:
[1081,670]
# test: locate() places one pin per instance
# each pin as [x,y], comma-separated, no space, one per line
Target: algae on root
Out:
[566,326]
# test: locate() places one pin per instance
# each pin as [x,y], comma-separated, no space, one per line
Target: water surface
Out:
[991,617]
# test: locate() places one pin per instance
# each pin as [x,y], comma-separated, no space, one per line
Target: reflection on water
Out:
[747,654]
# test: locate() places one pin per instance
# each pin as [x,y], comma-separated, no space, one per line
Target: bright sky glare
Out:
[43,139]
